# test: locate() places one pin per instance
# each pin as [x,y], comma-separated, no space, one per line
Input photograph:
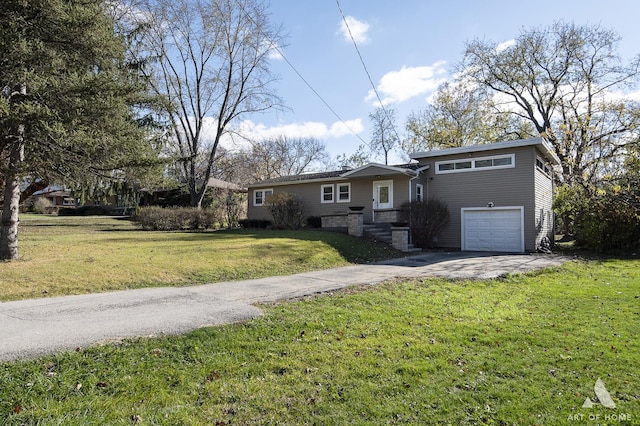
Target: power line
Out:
[366,70]
[315,92]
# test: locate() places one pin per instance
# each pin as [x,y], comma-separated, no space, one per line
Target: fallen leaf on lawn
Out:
[213,374]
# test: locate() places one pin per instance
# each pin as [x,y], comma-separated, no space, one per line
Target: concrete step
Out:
[382,232]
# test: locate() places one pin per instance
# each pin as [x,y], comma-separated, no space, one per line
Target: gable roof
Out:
[539,142]
[383,169]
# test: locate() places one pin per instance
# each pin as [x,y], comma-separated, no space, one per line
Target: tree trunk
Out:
[11,204]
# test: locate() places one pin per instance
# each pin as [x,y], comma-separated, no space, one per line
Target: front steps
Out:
[382,232]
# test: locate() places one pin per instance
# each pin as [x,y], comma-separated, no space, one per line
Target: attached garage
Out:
[499,229]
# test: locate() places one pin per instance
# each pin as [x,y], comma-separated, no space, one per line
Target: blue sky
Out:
[409,48]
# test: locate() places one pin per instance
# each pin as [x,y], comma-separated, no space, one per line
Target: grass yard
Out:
[75,255]
[523,350]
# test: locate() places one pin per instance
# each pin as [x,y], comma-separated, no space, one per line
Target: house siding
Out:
[544,218]
[310,192]
[502,187]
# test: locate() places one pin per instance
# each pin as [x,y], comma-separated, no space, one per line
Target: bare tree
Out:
[272,158]
[562,79]
[384,137]
[212,67]
[284,156]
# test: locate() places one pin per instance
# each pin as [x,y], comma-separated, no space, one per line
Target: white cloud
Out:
[273,50]
[505,45]
[248,130]
[359,30]
[624,96]
[399,86]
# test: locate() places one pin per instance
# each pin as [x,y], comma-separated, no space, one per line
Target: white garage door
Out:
[493,229]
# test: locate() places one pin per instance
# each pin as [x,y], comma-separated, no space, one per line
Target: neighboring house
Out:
[126,202]
[57,196]
[499,195]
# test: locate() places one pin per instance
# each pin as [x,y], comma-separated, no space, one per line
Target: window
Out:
[419,192]
[260,195]
[344,192]
[326,194]
[542,166]
[484,163]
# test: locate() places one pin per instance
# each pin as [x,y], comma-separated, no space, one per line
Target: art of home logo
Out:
[605,400]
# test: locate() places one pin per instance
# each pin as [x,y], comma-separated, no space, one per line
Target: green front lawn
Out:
[523,350]
[74,255]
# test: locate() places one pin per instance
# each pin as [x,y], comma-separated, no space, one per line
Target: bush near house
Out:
[176,218]
[286,209]
[85,211]
[426,220]
[606,221]
[254,223]
[41,205]
[314,222]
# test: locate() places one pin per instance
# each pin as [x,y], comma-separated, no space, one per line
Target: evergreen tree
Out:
[67,100]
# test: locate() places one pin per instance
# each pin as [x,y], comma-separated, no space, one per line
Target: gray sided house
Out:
[499,195]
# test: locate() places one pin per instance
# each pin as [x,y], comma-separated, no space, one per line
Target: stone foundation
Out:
[335,222]
[387,216]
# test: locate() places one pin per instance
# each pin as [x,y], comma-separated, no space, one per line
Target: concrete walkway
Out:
[39,326]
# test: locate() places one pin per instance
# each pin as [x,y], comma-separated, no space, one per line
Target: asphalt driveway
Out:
[40,326]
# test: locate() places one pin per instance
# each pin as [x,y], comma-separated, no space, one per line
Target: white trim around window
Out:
[344,192]
[419,192]
[260,195]
[327,194]
[542,166]
[507,161]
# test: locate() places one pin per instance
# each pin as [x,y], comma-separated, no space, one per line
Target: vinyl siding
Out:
[544,219]
[502,187]
[310,192]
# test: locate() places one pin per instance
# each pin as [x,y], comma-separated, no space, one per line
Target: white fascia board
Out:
[381,166]
[544,146]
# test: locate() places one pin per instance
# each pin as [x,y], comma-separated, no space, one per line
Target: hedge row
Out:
[176,218]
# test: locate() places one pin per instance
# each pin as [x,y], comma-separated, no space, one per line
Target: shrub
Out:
[200,218]
[609,223]
[175,218]
[569,204]
[426,220]
[603,220]
[41,205]
[286,209]
[314,222]
[84,211]
[230,206]
[254,223]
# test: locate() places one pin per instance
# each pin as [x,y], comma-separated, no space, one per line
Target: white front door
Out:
[382,194]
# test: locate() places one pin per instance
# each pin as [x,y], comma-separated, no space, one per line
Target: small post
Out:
[400,238]
[355,223]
